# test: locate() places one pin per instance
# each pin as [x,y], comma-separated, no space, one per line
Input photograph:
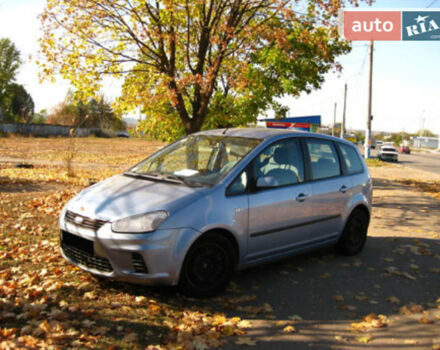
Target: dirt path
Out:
[59,163]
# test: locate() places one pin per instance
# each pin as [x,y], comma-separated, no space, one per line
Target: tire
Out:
[208,266]
[355,233]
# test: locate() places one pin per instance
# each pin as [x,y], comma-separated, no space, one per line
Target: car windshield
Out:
[197,160]
[388,149]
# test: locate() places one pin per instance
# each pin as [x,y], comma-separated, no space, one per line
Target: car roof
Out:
[266,133]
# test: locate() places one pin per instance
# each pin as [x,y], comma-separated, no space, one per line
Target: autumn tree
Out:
[192,64]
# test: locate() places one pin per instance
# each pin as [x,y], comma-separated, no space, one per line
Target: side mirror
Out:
[266,182]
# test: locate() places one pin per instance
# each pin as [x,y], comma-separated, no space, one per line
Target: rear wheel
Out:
[208,266]
[355,233]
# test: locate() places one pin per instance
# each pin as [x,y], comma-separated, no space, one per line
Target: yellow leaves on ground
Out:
[411,309]
[370,322]
[289,329]
[392,270]
[53,203]
[11,176]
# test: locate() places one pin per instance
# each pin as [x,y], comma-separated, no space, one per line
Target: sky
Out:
[406,75]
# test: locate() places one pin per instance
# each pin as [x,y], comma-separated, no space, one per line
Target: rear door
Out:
[330,190]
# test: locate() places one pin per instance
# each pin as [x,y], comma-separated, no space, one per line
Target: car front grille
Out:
[83,221]
[80,251]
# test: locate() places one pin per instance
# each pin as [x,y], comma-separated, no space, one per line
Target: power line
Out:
[432,3]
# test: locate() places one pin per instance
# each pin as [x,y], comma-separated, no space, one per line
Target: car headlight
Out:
[140,223]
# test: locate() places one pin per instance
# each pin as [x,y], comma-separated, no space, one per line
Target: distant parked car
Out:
[405,149]
[388,153]
[122,134]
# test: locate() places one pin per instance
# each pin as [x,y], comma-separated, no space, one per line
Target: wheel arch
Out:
[361,207]
[227,234]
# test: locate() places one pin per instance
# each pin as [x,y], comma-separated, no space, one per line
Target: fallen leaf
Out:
[361,297]
[130,337]
[393,300]
[244,324]
[295,318]
[340,338]
[338,298]
[369,322]
[289,329]
[425,320]
[365,339]
[245,341]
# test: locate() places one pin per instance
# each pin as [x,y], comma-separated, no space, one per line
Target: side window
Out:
[351,159]
[282,160]
[323,158]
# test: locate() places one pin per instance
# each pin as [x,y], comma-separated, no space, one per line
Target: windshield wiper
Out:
[154,176]
[141,175]
[171,178]
[186,180]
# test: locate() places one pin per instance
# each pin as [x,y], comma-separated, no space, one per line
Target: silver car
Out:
[388,152]
[216,201]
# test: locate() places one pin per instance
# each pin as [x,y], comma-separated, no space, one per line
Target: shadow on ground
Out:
[328,292]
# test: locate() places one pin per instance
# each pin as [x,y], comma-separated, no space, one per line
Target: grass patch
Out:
[376,162]
[432,188]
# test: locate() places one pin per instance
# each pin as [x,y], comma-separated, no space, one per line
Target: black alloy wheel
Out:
[208,266]
[355,233]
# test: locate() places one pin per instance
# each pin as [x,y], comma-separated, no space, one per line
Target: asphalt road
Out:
[421,161]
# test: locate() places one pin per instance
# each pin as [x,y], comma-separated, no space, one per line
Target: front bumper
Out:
[153,258]
[392,157]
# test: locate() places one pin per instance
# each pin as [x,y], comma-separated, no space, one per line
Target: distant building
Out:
[425,142]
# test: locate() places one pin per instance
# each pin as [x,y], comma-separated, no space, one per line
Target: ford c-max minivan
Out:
[216,201]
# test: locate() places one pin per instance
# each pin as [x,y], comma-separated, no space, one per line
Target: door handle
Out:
[343,189]
[301,197]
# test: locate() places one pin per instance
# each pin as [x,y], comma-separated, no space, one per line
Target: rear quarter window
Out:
[351,159]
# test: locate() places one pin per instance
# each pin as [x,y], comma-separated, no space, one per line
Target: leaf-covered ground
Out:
[387,297]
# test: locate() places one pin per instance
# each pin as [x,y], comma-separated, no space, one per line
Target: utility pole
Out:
[343,113]
[367,143]
[334,120]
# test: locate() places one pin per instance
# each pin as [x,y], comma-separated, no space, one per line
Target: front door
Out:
[277,214]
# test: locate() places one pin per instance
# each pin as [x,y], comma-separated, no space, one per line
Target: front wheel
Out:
[208,266]
[355,233]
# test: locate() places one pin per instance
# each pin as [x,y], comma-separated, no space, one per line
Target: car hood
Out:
[388,152]
[122,196]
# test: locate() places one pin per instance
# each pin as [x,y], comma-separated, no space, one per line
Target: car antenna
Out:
[224,131]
